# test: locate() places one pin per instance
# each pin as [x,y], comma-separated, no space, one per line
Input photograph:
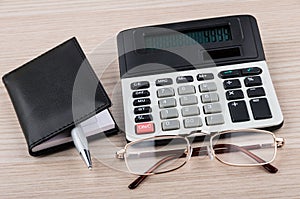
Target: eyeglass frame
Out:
[278,143]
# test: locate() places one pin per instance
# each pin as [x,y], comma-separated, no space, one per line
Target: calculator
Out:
[202,75]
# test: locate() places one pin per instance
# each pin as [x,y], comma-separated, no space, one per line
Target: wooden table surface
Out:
[29,28]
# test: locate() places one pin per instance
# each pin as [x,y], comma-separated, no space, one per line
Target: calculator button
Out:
[166,103]
[143,93]
[188,100]
[253,81]
[256,92]
[251,71]
[209,97]
[190,111]
[163,82]
[205,76]
[206,87]
[212,108]
[140,85]
[144,128]
[231,84]
[170,125]
[238,111]
[260,109]
[184,79]
[144,109]
[165,92]
[188,89]
[140,102]
[168,113]
[214,119]
[229,74]
[192,122]
[234,94]
[143,118]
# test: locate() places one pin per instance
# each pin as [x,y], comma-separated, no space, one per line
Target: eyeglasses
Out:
[162,154]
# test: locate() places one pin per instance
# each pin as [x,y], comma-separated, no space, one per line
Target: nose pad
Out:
[210,153]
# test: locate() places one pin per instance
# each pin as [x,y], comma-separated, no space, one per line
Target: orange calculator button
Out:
[144,128]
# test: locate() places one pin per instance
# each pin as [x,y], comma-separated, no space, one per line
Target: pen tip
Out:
[90,167]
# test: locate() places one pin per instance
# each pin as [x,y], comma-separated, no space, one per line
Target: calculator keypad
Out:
[185,103]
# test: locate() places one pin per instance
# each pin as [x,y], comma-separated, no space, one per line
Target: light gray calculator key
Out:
[166,103]
[190,111]
[209,97]
[188,100]
[214,119]
[188,89]
[209,86]
[192,122]
[212,108]
[170,125]
[168,113]
[165,92]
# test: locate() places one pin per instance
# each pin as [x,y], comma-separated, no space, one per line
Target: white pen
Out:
[81,145]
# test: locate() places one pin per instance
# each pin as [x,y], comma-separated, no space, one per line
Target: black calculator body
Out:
[204,75]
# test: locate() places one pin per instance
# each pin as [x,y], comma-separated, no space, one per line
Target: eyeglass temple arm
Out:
[230,147]
[141,178]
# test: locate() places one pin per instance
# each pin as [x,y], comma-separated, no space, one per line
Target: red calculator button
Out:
[143,128]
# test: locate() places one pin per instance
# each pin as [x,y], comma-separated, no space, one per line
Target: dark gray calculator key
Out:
[238,111]
[253,81]
[163,82]
[170,125]
[205,76]
[231,84]
[184,79]
[143,93]
[251,71]
[229,74]
[167,103]
[140,85]
[234,94]
[260,109]
[141,110]
[256,92]
[143,118]
[142,101]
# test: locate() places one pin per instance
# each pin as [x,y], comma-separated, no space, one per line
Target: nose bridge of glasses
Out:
[210,152]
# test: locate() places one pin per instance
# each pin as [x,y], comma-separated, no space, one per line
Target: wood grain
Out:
[29,28]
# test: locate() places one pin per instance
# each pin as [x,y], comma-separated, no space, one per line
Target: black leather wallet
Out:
[52,93]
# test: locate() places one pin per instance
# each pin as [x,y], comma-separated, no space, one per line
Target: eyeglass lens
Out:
[156,155]
[244,147]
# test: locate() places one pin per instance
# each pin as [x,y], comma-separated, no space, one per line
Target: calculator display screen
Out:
[182,38]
